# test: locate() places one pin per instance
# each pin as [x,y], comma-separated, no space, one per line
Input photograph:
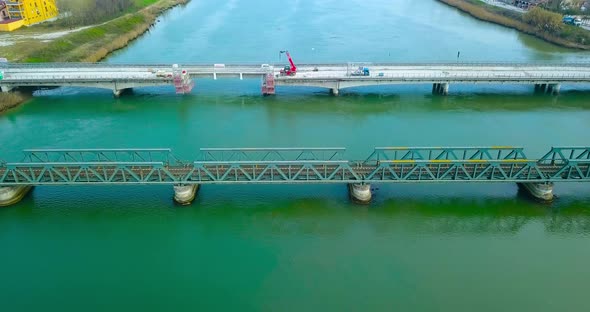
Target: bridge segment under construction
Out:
[545,77]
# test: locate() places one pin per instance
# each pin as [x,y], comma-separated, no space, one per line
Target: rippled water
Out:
[416,247]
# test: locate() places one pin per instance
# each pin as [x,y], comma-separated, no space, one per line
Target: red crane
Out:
[289,70]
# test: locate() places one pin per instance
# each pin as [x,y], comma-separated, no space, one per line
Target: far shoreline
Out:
[481,13]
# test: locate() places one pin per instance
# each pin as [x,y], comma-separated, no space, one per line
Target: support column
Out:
[444,89]
[185,194]
[542,88]
[117,92]
[10,195]
[434,88]
[268,84]
[335,91]
[555,88]
[360,192]
[541,191]
[5,88]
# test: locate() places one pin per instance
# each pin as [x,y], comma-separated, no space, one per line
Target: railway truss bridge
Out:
[46,167]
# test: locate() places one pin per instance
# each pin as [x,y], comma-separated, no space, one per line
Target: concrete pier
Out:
[5,88]
[440,88]
[11,195]
[360,192]
[555,88]
[335,91]
[185,194]
[541,191]
[118,92]
[444,89]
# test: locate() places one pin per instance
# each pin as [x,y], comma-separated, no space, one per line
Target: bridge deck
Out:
[334,76]
[392,165]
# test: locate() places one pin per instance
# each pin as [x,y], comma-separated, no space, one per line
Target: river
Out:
[296,248]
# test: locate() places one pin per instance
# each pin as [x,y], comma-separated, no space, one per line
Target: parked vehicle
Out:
[570,20]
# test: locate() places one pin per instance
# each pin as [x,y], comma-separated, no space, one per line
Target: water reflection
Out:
[324,214]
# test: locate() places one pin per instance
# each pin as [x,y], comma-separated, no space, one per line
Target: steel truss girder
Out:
[561,155]
[446,153]
[100,155]
[271,154]
[498,164]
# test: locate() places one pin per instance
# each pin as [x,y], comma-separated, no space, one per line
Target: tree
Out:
[543,20]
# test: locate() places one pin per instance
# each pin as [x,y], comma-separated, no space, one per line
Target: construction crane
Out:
[288,70]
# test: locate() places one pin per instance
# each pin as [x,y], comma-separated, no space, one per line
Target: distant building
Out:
[16,13]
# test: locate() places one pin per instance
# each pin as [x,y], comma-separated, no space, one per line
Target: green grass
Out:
[144,3]
[58,49]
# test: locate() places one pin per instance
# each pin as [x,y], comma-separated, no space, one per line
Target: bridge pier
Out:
[541,191]
[440,88]
[445,89]
[185,194]
[360,192]
[541,88]
[117,92]
[554,88]
[335,91]
[5,88]
[10,195]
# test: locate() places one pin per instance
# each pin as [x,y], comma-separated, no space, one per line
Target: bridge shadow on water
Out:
[312,100]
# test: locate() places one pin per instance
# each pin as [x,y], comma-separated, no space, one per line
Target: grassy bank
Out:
[95,43]
[568,36]
[88,45]
[10,100]
[91,44]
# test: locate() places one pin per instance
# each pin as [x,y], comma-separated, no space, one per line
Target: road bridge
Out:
[546,78]
[294,166]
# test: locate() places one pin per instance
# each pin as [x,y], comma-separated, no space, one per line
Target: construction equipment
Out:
[289,70]
[361,71]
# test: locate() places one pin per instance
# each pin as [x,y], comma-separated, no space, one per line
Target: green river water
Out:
[457,247]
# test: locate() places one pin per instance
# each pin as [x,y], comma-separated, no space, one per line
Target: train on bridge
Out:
[46,167]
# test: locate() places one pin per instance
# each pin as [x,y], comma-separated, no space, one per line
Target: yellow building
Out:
[16,13]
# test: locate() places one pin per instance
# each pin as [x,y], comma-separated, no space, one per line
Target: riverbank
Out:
[512,19]
[10,100]
[87,44]
[95,43]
